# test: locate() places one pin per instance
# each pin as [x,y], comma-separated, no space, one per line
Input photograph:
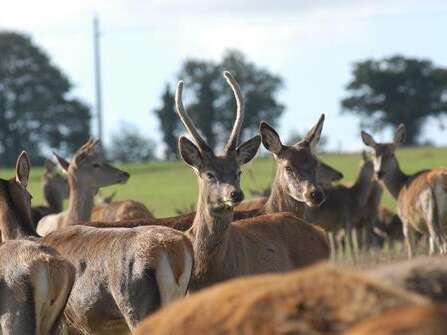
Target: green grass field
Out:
[166,186]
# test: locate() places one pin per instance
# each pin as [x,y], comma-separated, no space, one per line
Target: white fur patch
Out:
[48,224]
[170,290]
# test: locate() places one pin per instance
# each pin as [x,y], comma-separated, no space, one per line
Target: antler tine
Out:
[235,132]
[186,120]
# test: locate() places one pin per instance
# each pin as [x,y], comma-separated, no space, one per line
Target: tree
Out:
[129,146]
[211,103]
[169,122]
[397,90]
[35,107]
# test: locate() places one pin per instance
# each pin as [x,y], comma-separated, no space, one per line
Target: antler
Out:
[235,132]
[186,120]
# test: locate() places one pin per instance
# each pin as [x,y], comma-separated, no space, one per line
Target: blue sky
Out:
[311,44]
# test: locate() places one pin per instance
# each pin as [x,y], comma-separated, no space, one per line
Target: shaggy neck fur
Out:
[209,236]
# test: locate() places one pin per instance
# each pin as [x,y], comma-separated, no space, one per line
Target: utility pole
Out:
[97,67]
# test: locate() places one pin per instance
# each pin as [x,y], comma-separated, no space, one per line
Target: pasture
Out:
[166,186]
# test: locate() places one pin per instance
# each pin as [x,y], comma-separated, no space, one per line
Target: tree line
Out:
[37,110]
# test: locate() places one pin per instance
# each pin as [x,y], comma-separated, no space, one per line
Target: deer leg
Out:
[348,228]
[437,238]
[332,245]
[409,238]
[138,299]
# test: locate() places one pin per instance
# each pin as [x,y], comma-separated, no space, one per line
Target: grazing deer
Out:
[36,282]
[421,197]
[55,191]
[122,275]
[321,299]
[87,172]
[344,205]
[408,320]
[224,249]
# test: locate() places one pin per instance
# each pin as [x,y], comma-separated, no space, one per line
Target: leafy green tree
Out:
[397,90]
[36,110]
[211,103]
[129,146]
[169,122]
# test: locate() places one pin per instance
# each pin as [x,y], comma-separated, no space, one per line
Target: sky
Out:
[311,44]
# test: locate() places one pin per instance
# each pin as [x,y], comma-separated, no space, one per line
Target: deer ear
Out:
[368,139]
[62,162]
[247,150]
[23,167]
[190,153]
[327,174]
[399,136]
[270,138]
[313,136]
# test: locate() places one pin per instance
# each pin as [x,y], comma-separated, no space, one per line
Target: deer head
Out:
[88,167]
[54,185]
[385,159]
[218,175]
[15,202]
[299,172]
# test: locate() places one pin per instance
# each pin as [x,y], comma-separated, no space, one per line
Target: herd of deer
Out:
[113,268]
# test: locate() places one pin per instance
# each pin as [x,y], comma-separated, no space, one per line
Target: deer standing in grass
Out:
[55,191]
[224,249]
[87,172]
[122,275]
[344,206]
[421,197]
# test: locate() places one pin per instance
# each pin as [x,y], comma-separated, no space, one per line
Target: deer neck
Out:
[80,202]
[280,200]
[52,200]
[361,189]
[209,235]
[395,179]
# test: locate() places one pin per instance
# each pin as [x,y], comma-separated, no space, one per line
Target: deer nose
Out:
[125,176]
[237,196]
[317,196]
[380,174]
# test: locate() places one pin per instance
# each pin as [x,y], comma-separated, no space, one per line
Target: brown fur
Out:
[36,283]
[412,320]
[121,274]
[121,210]
[423,275]
[420,197]
[253,204]
[224,249]
[322,299]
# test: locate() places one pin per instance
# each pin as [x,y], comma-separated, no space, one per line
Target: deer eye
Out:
[289,169]
[210,176]
[96,165]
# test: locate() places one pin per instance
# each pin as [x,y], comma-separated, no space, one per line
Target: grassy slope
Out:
[165,186]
